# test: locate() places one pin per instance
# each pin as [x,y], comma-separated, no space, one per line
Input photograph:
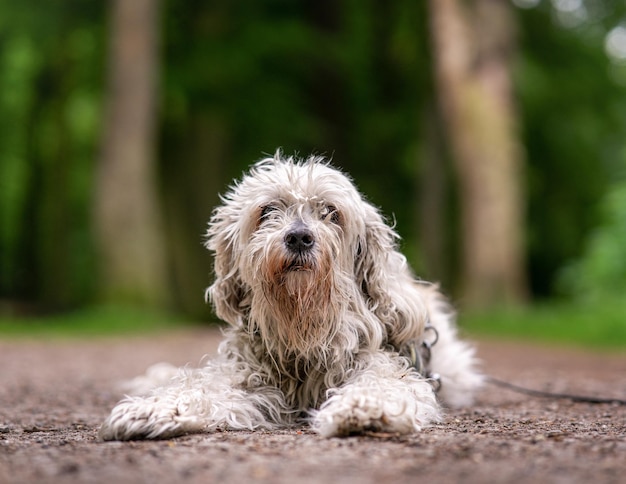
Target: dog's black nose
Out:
[300,240]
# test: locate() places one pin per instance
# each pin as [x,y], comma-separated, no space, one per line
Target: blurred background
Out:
[492,132]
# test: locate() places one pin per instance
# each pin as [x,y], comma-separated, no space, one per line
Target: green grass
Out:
[92,321]
[589,325]
[596,325]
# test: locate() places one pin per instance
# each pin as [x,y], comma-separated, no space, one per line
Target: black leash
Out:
[419,354]
[558,396]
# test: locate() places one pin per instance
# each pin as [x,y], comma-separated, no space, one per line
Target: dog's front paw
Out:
[143,418]
[352,414]
[358,411]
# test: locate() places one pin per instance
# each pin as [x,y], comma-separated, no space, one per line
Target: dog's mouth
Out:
[298,265]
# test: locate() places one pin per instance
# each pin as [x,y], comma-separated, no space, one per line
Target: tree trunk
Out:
[127,217]
[473,42]
[194,179]
[432,203]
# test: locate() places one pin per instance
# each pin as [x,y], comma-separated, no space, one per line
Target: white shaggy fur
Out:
[321,306]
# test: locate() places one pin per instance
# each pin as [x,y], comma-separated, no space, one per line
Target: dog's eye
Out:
[331,214]
[266,211]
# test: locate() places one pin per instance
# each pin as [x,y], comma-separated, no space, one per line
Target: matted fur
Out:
[320,305]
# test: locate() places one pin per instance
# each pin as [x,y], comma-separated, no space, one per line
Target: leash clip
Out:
[419,354]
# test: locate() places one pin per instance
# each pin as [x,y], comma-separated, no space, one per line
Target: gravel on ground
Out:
[54,395]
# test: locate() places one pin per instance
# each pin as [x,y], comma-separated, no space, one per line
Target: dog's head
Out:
[296,247]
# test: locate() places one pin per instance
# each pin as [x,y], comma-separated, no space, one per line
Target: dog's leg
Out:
[384,396]
[198,400]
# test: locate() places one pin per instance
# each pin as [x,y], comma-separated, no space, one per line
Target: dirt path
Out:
[54,395]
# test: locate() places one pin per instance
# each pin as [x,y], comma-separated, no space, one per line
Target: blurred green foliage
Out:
[50,86]
[574,122]
[597,325]
[92,321]
[350,79]
[601,273]
[590,326]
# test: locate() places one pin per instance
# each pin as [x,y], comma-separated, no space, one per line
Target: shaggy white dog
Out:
[328,326]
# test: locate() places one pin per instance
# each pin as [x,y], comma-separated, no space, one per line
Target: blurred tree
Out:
[127,215]
[237,87]
[351,79]
[601,273]
[474,42]
[585,126]
[438,258]
[573,110]
[196,141]
[49,80]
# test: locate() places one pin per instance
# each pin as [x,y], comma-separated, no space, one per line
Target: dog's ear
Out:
[227,291]
[371,265]
[387,284]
